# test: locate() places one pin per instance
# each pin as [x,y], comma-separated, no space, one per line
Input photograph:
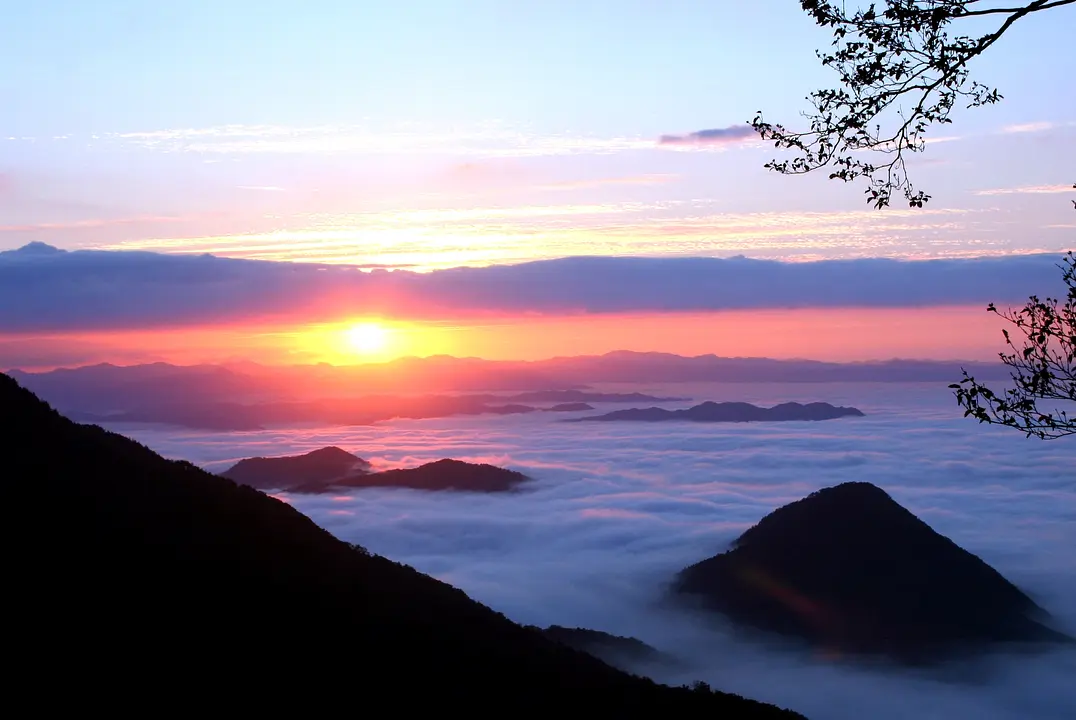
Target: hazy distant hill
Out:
[148,575]
[712,412]
[850,570]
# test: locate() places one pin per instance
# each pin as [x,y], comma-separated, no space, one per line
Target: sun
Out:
[367,338]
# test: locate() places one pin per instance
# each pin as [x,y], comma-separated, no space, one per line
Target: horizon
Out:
[60,311]
[403,359]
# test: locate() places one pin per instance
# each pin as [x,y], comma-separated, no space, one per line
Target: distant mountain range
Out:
[248,396]
[711,412]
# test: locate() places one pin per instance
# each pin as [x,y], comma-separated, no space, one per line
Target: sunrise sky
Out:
[426,135]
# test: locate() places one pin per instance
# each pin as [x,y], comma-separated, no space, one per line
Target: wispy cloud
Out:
[1029,127]
[90,223]
[730,135]
[448,237]
[493,140]
[638,180]
[1027,190]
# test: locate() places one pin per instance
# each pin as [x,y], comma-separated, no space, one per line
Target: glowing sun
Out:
[367,338]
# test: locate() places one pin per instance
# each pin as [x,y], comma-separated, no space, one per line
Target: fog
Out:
[614,510]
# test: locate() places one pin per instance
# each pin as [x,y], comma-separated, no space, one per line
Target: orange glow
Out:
[836,334]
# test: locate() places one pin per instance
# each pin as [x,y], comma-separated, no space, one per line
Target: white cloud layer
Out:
[616,509]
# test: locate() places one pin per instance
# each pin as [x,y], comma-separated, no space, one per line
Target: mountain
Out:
[322,466]
[570,407]
[330,469]
[850,570]
[439,475]
[729,412]
[133,573]
[613,649]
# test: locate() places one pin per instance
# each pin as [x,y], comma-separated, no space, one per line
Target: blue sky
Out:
[434,133]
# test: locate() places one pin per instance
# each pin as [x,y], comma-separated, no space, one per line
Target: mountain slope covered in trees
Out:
[138,572]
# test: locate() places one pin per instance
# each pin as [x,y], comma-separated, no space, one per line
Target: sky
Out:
[429,135]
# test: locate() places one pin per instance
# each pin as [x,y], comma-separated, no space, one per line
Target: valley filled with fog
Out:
[614,510]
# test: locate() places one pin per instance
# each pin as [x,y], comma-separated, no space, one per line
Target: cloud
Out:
[489,139]
[614,511]
[440,237]
[42,289]
[638,180]
[1029,127]
[1027,190]
[713,137]
[91,223]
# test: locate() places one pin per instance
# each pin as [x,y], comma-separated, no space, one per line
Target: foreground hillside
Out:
[140,572]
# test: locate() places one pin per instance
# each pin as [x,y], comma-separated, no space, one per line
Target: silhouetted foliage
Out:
[136,572]
[1043,368]
[850,570]
[618,651]
[903,66]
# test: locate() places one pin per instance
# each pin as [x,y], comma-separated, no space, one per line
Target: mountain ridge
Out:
[163,563]
[714,412]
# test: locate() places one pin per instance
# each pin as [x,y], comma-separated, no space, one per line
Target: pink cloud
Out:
[87,224]
[639,180]
[1027,190]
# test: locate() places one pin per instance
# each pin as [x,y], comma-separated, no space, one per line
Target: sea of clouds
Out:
[615,509]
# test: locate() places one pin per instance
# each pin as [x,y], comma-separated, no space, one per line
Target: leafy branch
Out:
[899,67]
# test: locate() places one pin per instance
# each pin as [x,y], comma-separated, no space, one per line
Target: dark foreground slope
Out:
[626,652]
[146,578]
[849,569]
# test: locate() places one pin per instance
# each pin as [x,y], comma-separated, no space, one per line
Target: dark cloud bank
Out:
[42,288]
[615,510]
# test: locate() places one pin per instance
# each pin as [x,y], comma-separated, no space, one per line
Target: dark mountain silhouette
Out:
[613,649]
[324,466]
[849,569]
[439,475]
[730,412]
[570,407]
[149,574]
